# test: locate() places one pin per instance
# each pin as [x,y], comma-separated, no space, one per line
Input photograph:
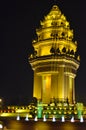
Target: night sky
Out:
[18,21]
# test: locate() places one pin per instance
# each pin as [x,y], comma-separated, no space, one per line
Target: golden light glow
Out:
[46,88]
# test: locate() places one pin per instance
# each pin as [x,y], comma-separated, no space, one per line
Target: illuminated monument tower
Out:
[55,60]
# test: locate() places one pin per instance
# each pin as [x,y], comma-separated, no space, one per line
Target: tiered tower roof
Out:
[55,27]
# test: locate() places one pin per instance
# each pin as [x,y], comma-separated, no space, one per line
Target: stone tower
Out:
[55,60]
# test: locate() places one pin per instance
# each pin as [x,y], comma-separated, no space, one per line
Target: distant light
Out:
[1,126]
[0,100]
[18,118]
[36,119]
[44,118]
[63,119]
[53,119]
[72,119]
[26,119]
[81,119]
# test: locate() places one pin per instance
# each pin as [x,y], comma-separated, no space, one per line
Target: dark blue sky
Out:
[18,21]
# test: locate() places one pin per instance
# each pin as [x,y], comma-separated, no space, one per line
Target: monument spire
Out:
[54,60]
